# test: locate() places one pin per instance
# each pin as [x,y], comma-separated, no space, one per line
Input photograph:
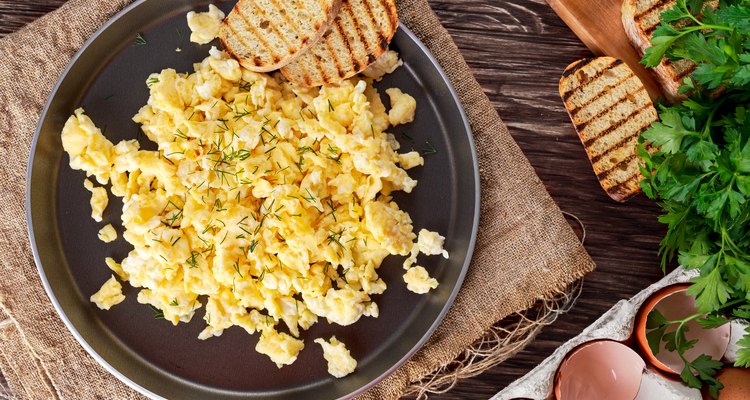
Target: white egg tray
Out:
[616,324]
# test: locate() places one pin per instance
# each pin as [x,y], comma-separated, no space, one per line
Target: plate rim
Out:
[135,386]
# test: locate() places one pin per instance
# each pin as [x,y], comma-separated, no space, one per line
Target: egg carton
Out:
[616,324]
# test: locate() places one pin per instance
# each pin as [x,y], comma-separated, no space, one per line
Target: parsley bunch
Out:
[696,161]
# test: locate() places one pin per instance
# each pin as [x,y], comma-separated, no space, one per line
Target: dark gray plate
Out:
[107,78]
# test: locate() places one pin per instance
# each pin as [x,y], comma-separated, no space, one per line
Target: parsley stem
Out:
[710,120]
[689,318]
[713,27]
[727,239]
[700,27]
[683,7]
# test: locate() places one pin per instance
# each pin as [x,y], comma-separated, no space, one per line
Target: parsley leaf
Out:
[669,133]
[710,291]
[696,162]
[743,354]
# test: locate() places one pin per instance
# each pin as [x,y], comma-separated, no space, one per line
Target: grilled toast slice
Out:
[609,107]
[640,18]
[265,35]
[358,36]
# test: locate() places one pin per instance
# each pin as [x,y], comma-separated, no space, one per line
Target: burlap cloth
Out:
[525,251]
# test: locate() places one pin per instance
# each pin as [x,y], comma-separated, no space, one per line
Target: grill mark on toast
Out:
[596,76]
[620,143]
[345,39]
[274,28]
[236,35]
[286,17]
[392,16]
[370,15]
[601,94]
[580,64]
[332,53]
[653,6]
[382,44]
[355,20]
[614,147]
[616,188]
[250,28]
[644,26]
[360,36]
[581,126]
[322,71]
[649,30]
[604,174]
[365,40]
[612,127]
[319,64]
[371,57]
[384,6]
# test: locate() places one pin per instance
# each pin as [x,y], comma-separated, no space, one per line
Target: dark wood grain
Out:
[517,50]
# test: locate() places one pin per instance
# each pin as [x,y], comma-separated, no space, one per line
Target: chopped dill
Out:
[139,40]
[429,150]
[158,314]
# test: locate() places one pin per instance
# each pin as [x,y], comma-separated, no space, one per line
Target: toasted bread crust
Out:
[609,108]
[279,39]
[640,18]
[358,36]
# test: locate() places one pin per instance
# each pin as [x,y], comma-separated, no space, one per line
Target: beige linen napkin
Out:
[525,249]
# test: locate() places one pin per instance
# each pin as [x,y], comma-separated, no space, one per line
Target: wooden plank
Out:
[599,26]
[15,14]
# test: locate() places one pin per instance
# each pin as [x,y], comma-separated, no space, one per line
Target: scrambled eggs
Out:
[271,200]
[99,200]
[340,361]
[109,295]
[204,26]
[403,107]
[385,64]
[418,280]
[107,234]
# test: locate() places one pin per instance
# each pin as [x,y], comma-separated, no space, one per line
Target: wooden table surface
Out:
[517,50]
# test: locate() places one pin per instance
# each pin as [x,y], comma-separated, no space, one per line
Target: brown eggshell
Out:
[674,303]
[602,369]
[736,383]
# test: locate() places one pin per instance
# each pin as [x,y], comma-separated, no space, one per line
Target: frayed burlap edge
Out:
[501,342]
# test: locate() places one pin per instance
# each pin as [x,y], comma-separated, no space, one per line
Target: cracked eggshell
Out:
[674,303]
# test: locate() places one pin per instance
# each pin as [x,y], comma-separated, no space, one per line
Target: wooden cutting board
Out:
[598,24]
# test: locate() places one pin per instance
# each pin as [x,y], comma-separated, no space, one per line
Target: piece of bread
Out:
[609,107]
[359,35]
[640,18]
[265,35]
